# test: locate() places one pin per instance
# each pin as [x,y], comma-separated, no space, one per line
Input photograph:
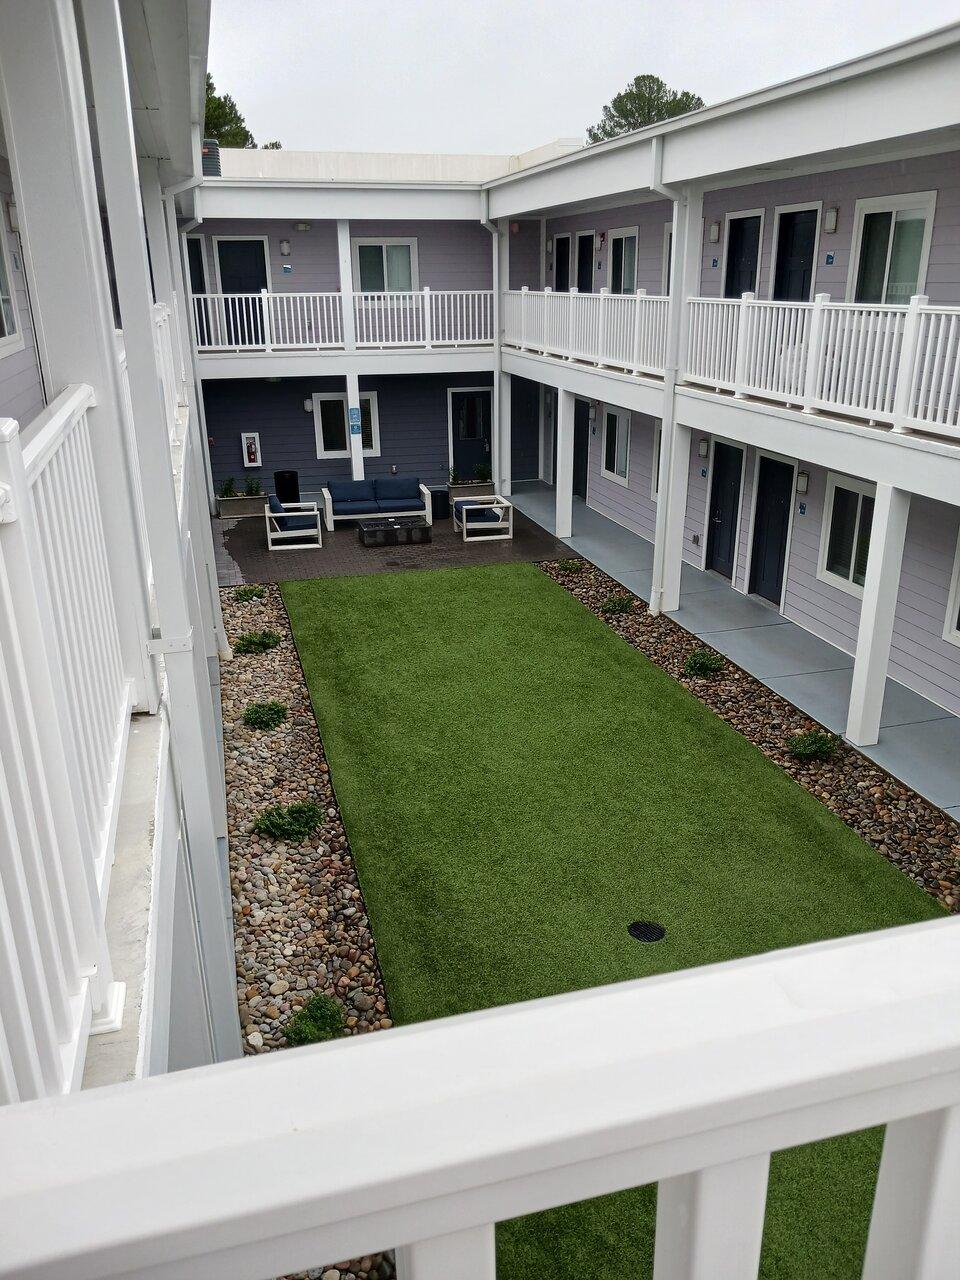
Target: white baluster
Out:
[710,1223]
[462,1255]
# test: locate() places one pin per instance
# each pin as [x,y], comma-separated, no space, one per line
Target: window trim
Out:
[383,242]
[15,341]
[951,629]
[727,219]
[620,233]
[619,413]
[319,396]
[866,488]
[890,204]
[265,241]
[816,205]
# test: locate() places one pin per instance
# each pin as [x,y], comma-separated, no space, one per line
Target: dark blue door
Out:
[724,508]
[243,270]
[470,418]
[771,523]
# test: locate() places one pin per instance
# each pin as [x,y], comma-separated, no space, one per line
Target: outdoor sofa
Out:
[382,496]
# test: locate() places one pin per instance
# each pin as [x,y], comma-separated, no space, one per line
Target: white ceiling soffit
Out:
[166,43]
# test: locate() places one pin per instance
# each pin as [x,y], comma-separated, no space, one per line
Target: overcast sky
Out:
[501,77]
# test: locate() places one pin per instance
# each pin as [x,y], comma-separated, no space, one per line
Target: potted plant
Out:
[232,504]
[481,486]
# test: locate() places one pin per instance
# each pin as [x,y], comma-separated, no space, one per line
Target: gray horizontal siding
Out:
[413,427]
[21,390]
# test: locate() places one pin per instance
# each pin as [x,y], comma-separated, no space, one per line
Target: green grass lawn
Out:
[518,785]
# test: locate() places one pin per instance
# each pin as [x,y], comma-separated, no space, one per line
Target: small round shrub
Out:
[256,642]
[617,604]
[814,745]
[703,662]
[264,715]
[243,595]
[292,823]
[571,566]
[319,1019]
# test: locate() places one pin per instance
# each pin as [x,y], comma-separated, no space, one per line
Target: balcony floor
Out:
[919,741]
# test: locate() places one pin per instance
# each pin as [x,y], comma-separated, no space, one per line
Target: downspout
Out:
[495,234]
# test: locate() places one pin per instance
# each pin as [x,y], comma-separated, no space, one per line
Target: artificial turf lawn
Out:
[518,785]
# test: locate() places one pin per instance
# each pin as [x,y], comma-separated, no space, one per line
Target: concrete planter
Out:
[233,508]
[472,489]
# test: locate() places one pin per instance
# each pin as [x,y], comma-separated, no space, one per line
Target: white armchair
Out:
[292,526]
[483,519]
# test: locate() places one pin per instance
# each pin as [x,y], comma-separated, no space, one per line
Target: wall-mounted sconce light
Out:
[803,481]
[602,239]
[830,221]
[514,228]
[703,448]
[284,248]
[592,413]
[550,245]
[714,232]
[308,406]
[393,468]
[301,226]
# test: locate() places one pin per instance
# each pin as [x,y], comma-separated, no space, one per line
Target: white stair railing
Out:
[690,1080]
[64,716]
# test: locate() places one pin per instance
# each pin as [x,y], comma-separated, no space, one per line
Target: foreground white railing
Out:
[171,388]
[624,331]
[690,1080]
[897,365]
[268,321]
[64,716]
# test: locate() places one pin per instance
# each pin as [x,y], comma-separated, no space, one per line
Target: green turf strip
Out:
[518,785]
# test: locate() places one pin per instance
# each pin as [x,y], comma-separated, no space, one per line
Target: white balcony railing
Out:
[64,715]
[690,1080]
[626,331]
[264,322]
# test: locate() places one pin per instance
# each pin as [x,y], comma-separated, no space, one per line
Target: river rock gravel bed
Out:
[300,922]
[922,840]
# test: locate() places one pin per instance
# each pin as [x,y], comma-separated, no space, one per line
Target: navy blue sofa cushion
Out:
[300,522]
[390,488]
[402,504]
[276,508]
[364,508]
[350,491]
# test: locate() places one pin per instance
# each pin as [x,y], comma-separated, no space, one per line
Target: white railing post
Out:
[524,290]
[465,1255]
[710,1223]
[603,326]
[427,319]
[571,304]
[744,315]
[267,326]
[347,306]
[907,364]
[638,328]
[814,352]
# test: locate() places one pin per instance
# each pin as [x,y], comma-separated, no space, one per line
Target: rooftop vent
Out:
[210,158]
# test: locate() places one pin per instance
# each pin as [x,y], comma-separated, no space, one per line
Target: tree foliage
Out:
[223,121]
[645,100]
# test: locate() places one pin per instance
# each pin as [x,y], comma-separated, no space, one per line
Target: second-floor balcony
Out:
[308,322]
[898,366]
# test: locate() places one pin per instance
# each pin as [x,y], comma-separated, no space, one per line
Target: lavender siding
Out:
[695,516]
[648,218]
[21,390]
[630,505]
[452,255]
[841,189]
[413,427]
[525,254]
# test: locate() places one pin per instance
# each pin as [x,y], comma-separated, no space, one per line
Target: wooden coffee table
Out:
[392,531]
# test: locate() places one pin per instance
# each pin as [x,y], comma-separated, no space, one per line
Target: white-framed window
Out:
[622,260]
[11,337]
[655,476]
[891,247]
[951,626]
[615,462]
[330,424]
[845,535]
[385,265]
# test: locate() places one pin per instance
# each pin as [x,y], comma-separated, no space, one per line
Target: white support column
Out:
[346,287]
[880,589]
[462,1255]
[45,112]
[354,430]
[915,1225]
[541,434]
[504,390]
[710,1223]
[674,440]
[162,266]
[192,717]
[564,476]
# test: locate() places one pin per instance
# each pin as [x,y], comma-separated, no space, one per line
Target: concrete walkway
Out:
[919,741]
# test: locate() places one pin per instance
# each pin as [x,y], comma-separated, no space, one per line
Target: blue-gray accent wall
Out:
[413,427]
[524,428]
